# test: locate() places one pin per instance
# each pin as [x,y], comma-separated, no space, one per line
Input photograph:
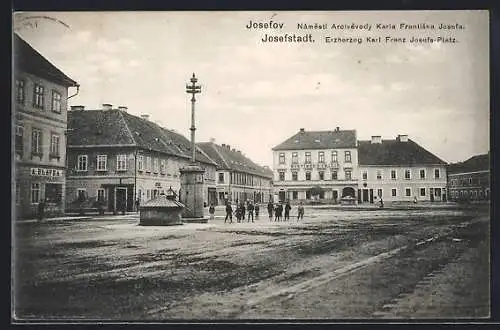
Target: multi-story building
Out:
[470,180]
[40,109]
[238,177]
[328,159]
[116,158]
[399,170]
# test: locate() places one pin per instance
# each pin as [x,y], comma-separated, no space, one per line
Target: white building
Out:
[328,159]
[399,170]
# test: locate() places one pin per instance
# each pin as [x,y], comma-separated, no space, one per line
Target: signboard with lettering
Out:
[46,172]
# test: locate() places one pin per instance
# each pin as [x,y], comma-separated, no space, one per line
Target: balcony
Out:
[334,165]
[295,166]
[308,166]
[321,166]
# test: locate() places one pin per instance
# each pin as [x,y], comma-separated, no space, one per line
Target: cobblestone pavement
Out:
[335,264]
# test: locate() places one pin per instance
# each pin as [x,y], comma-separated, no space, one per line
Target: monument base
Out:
[195,220]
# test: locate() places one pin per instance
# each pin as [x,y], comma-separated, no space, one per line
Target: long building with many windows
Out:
[340,166]
[117,158]
[40,109]
[469,181]
[238,177]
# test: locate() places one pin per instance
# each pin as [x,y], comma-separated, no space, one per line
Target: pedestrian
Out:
[137,204]
[242,210]
[300,214]
[381,202]
[270,209]
[237,212]
[229,213]
[414,199]
[287,211]
[211,211]
[41,209]
[256,208]
[250,211]
[278,212]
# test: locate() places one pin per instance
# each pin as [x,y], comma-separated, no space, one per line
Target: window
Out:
[19,139]
[334,157]
[282,176]
[121,162]
[295,158]
[295,195]
[365,175]
[393,174]
[422,192]
[18,193]
[379,192]
[308,157]
[102,162]
[20,91]
[422,174]
[162,166]
[155,165]
[407,175]
[321,175]
[35,192]
[470,180]
[379,175]
[334,175]
[140,163]
[81,163]
[321,157]
[437,192]
[101,197]
[38,97]
[36,142]
[54,145]
[347,156]
[295,176]
[148,164]
[56,102]
[348,175]
[408,192]
[221,177]
[308,176]
[282,158]
[436,173]
[148,194]
[393,192]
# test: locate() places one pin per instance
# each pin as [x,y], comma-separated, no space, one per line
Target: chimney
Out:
[223,145]
[77,107]
[145,117]
[107,106]
[337,129]
[212,140]
[234,150]
[376,139]
[302,130]
[122,108]
[402,138]
[228,146]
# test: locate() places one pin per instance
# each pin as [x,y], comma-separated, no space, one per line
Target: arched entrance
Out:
[348,191]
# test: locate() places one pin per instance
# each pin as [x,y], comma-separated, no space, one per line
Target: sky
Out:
[255,95]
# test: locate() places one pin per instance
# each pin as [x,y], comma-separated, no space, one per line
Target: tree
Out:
[315,191]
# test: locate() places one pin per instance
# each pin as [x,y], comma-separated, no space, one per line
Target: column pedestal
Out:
[192,183]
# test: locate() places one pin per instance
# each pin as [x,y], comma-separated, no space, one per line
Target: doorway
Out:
[120,199]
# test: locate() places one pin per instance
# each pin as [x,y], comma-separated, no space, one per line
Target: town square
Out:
[228,178]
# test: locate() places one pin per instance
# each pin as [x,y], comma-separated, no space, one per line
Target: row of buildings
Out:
[106,155]
[115,157]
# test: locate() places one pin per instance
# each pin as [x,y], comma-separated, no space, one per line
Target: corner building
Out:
[40,120]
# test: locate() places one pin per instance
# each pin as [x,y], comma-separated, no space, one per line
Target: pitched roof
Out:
[395,152]
[119,128]
[319,140]
[27,59]
[475,163]
[230,159]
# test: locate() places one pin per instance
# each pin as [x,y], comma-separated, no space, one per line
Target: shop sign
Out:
[46,172]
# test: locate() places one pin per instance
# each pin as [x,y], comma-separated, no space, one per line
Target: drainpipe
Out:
[77,91]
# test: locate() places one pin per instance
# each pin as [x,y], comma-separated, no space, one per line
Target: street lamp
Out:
[193,89]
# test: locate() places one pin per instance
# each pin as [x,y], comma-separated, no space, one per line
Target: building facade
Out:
[399,170]
[469,181]
[118,158]
[325,159]
[40,122]
[238,178]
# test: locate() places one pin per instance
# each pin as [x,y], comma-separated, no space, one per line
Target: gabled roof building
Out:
[469,181]
[238,177]
[120,159]
[40,94]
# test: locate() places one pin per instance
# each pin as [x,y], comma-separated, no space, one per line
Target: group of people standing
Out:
[243,209]
[277,210]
